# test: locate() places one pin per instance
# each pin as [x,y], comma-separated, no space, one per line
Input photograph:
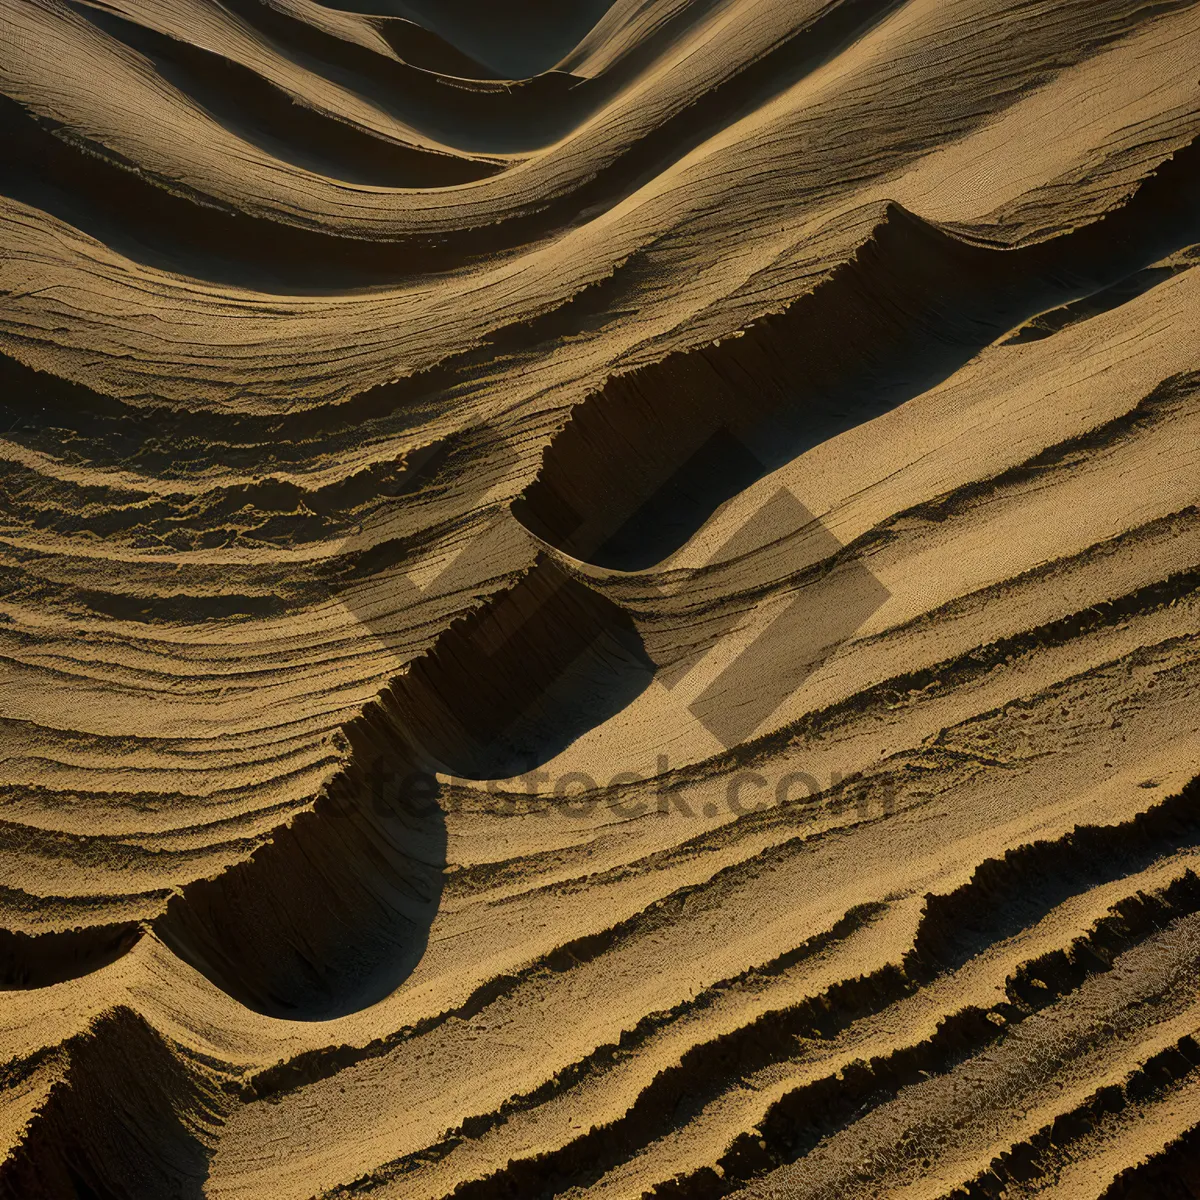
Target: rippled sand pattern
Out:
[599,599]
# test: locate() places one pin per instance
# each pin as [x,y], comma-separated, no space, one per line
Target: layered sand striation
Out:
[599,600]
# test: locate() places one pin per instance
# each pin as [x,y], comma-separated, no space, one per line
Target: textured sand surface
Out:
[599,599]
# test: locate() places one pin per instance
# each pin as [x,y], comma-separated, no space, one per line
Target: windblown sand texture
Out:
[746,453]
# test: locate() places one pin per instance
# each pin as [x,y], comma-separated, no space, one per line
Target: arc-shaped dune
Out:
[599,600]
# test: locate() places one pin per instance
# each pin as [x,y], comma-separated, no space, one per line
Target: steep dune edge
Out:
[124,1116]
[503,686]
[377,859]
[38,960]
[643,462]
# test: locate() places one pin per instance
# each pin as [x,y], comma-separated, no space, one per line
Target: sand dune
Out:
[600,600]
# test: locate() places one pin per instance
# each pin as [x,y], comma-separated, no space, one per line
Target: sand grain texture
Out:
[599,599]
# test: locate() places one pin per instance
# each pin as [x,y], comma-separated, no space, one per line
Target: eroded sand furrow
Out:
[1154,600]
[770,1038]
[1148,600]
[690,1086]
[804,1125]
[1070,1154]
[287,112]
[1171,1164]
[606,965]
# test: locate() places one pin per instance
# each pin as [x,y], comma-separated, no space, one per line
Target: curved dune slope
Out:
[599,599]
